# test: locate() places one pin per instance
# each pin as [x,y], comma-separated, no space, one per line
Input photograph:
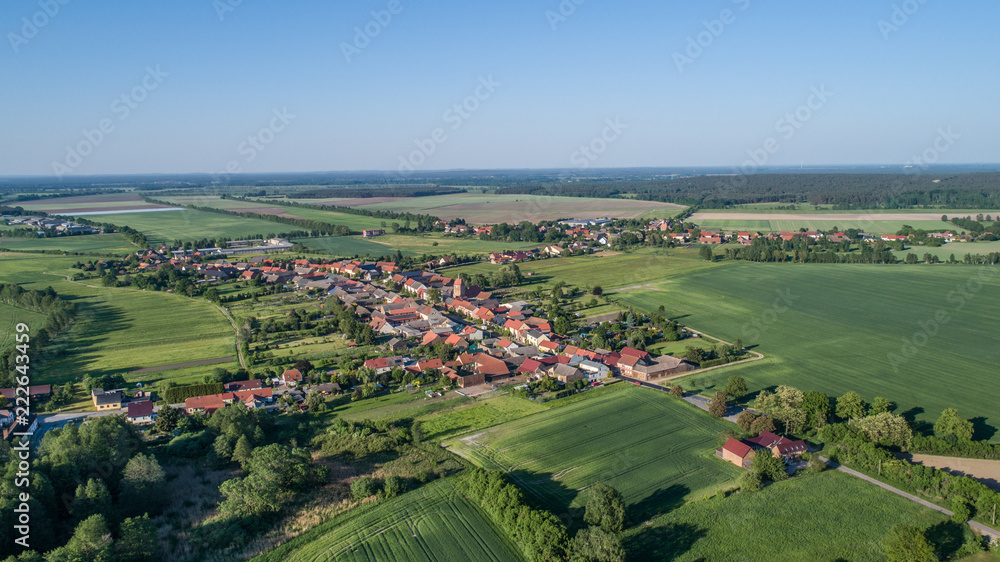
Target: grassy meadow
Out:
[119,330]
[656,450]
[829,516]
[349,246]
[434,523]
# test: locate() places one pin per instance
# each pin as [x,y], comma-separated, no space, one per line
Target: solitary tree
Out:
[736,386]
[950,424]
[706,253]
[718,406]
[605,508]
[677,391]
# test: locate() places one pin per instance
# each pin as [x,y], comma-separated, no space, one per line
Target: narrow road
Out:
[993,534]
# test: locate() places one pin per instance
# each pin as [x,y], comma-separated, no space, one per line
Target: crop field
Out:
[349,246]
[10,316]
[119,330]
[434,523]
[880,222]
[656,450]
[829,516]
[606,269]
[186,224]
[354,222]
[921,336]
[439,244]
[959,249]
[88,204]
[481,208]
[90,243]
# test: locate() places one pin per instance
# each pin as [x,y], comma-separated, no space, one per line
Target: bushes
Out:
[364,487]
[955,447]
[539,534]
[179,394]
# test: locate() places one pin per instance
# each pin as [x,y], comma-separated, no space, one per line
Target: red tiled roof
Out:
[737,447]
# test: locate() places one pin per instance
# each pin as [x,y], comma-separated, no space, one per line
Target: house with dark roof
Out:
[106,400]
[141,412]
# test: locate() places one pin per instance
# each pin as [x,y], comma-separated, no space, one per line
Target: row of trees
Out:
[59,313]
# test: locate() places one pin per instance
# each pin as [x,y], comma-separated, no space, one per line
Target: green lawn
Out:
[656,450]
[90,243]
[841,326]
[10,317]
[830,516]
[482,413]
[433,523]
[166,226]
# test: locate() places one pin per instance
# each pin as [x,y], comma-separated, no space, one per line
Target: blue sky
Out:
[556,83]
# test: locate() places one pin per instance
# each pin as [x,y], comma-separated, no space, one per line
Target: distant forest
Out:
[843,191]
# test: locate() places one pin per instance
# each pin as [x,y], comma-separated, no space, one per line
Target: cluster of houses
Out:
[10,426]
[140,408]
[741,452]
[251,393]
[746,237]
[498,342]
[43,224]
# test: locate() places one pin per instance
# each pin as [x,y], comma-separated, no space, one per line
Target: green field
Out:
[830,516]
[90,243]
[482,208]
[349,246]
[166,226]
[876,226]
[119,330]
[10,317]
[354,222]
[656,450]
[959,249]
[843,323]
[425,244]
[434,523]
[606,269]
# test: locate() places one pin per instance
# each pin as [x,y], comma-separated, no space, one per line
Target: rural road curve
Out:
[993,534]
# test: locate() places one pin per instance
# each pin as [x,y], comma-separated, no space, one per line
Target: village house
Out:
[106,400]
[141,412]
[779,446]
[737,452]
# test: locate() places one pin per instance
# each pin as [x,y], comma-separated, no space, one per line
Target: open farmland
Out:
[93,243]
[830,516]
[188,224]
[88,204]
[656,450]
[958,249]
[354,222]
[349,246]
[434,523]
[10,317]
[119,330]
[839,324]
[481,208]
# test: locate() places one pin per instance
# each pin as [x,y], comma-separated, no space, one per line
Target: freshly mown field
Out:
[924,337]
[354,222]
[653,448]
[87,203]
[119,330]
[186,224]
[96,243]
[830,516]
[434,523]
[480,208]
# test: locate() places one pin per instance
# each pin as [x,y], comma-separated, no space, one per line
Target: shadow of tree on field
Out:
[542,491]
[659,502]
[662,543]
[948,537]
[982,430]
